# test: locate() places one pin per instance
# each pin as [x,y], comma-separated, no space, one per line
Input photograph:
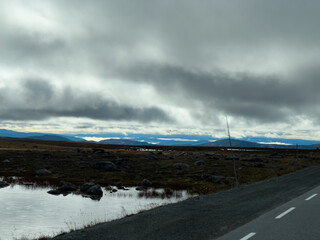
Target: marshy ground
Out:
[200,170]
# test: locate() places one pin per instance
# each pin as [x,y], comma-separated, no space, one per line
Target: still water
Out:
[28,211]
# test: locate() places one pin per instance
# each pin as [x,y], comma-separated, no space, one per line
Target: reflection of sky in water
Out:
[31,212]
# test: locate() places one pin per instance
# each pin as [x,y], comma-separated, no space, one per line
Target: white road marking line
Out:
[284,213]
[248,236]
[312,196]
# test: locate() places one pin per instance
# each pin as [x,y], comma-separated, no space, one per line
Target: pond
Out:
[30,212]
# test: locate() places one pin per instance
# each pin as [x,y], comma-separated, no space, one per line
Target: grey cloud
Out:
[265,98]
[40,100]
[202,56]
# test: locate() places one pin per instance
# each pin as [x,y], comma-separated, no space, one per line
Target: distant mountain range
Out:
[123,142]
[242,143]
[170,140]
[50,138]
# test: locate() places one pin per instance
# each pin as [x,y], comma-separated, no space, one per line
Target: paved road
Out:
[209,216]
[299,219]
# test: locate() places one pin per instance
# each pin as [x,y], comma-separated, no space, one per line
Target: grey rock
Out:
[6,161]
[18,171]
[67,187]
[41,172]
[146,183]
[105,166]
[98,150]
[259,164]
[233,157]
[214,178]
[86,186]
[95,190]
[3,184]
[210,154]
[91,188]
[181,166]
[199,163]
[54,192]
[276,155]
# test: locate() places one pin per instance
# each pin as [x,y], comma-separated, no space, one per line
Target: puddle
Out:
[28,211]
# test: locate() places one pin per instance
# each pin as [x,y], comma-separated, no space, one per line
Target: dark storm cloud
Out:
[265,98]
[39,100]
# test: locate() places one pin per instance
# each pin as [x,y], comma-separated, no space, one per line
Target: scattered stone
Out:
[6,161]
[98,150]
[210,154]
[276,155]
[41,172]
[181,166]
[233,157]
[85,187]
[91,188]
[146,183]
[113,190]
[3,184]
[95,190]
[67,187]
[259,164]
[18,171]
[105,166]
[214,178]
[199,163]
[54,192]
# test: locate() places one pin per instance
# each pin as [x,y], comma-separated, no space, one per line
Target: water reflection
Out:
[29,211]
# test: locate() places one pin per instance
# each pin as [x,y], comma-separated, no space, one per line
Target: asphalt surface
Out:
[206,217]
[299,219]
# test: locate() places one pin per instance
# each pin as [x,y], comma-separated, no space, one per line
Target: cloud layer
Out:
[182,65]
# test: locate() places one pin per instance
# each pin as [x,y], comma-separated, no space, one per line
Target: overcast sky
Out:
[166,66]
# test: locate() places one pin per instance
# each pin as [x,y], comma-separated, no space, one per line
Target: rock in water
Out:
[91,189]
[3,184]
[146,183]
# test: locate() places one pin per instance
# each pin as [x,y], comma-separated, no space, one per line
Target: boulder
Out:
[181,166]
[91,188]
[199,163]
[54,192]
[210,154]
[41,172]
[85,187]
[259,164]
[276,155]
[6,161]
[214,178]
[67,187]
[95,190]
[3,184]
[146,183]
[105,166]
[232,157]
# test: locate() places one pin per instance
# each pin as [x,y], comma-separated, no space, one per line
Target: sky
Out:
[161,67]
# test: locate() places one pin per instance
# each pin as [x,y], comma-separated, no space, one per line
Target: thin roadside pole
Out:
[234,161]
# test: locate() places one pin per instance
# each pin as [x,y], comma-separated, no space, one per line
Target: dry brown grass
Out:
[68,164]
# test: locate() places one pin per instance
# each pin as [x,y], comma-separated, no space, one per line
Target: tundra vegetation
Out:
[199,170]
